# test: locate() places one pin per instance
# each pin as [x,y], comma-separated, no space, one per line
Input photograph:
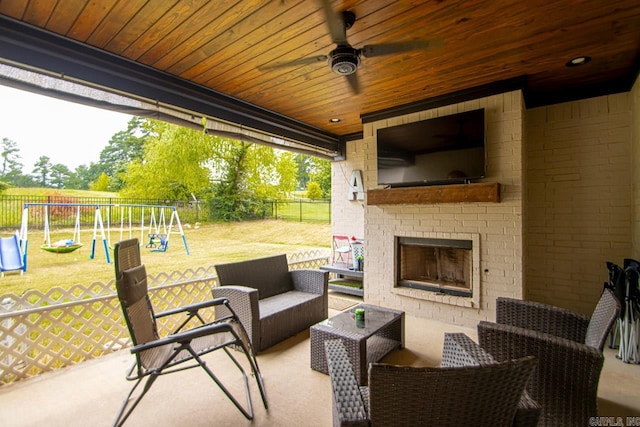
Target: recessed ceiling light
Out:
[577,61]
[335,120]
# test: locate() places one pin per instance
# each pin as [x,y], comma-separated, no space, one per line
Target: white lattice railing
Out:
[41,332]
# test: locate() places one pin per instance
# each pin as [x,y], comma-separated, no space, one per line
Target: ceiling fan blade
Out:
[399,47]
[296,62]
[335,21]
[354,82]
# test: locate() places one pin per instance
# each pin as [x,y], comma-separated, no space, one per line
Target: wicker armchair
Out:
[468,389]
[568,347]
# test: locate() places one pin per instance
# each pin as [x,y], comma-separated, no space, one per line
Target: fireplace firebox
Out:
[438,265]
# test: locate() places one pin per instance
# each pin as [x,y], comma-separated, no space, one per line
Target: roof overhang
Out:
[30,48]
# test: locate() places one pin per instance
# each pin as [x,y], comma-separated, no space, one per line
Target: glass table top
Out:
[374,319]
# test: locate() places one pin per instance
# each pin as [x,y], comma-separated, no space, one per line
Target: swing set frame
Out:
[155,228]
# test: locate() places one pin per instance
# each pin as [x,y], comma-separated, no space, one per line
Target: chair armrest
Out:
[191,309]
[542,318]
[506,342]
[183,337]
[460,350]
[243,300]
[348,404]
[311,281]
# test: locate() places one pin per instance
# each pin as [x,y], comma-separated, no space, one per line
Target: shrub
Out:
[314,191]
[100,184]
[237,208]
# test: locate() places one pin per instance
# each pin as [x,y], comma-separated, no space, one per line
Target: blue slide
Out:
[10,254]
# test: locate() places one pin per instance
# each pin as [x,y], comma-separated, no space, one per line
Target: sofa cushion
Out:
[282,302]
[270,275]
[285,315]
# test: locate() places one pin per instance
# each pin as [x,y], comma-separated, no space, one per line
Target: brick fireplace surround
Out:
[521,145]
[495,228]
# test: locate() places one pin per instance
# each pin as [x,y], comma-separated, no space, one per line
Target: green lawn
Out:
[208,245]
[308,210]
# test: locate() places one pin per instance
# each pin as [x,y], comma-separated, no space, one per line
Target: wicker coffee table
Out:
[366,342]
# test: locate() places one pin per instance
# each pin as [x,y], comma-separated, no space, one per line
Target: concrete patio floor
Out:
[91,393]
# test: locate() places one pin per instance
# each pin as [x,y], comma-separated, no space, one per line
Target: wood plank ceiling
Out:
[230,45]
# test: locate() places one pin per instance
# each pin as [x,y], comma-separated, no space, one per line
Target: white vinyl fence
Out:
[42,332]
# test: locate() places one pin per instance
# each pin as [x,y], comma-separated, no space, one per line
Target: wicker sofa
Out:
[272,302]
[469,388]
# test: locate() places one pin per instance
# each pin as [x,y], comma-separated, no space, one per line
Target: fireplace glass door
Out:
[438,265]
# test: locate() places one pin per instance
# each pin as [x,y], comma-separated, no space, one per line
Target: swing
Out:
[61,246]
[158,235]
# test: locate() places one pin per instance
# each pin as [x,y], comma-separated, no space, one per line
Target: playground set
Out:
[11,255]
[14,250]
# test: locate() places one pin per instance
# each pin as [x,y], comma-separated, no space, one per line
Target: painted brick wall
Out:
[635,138]
[347,216]
[579,208]
[497,226]
[579,199]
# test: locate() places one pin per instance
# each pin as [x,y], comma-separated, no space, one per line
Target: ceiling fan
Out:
[344,60]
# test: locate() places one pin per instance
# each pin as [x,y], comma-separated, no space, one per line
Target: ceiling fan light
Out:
[344,66]
[344,60]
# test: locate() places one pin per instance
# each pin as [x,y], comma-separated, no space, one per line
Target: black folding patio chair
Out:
[184,348]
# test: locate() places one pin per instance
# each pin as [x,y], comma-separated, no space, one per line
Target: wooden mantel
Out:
[456,193]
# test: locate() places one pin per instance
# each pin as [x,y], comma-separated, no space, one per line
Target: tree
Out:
[248,175]
[25,181]
[288,171]
[304,163]
[321,173]
[82,177]
[234,199]
[123,148]
[42,170]
[59,175]
[174,164]
[101,184]
[93,173]
[10,168]
[259,173]
[179,163]
[314,191]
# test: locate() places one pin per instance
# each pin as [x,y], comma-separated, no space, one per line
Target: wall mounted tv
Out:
[442,150]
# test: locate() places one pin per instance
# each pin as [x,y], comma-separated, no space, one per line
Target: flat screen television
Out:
[442,150]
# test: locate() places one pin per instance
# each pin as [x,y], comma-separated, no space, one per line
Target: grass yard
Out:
[208,245]
[309,210]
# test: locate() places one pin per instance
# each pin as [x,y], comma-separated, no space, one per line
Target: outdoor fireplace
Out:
[439,265]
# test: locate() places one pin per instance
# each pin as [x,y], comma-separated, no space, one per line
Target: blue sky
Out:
[67,133]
